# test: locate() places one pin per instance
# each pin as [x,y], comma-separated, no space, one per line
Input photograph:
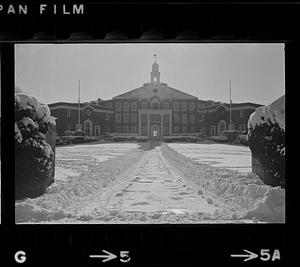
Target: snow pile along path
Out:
[249,198]
[74,182]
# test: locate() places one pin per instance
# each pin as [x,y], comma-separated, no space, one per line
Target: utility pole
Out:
[230,105]
[79,127]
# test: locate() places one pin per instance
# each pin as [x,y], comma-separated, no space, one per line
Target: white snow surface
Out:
[274,111]
[42,110]
[218,155]
[156,185]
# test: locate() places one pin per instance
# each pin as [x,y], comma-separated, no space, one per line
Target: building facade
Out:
[153,110]
[95,120]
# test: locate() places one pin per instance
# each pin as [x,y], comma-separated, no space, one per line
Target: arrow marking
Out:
[249,256]
[109,256]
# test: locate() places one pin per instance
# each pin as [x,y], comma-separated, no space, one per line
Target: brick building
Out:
[95,120]
[154,110]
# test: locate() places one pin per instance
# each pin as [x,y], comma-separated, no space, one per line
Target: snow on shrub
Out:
[266,138]
[34,156]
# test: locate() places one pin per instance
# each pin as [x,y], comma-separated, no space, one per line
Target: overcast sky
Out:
[51,72]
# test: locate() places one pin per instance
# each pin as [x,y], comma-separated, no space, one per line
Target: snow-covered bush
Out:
[266,138]
[34,157]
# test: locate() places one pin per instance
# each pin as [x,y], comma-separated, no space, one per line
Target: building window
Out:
[133,117]
[201,105]
[184,106]
[242,114]
[144,105]
[184,129]
[192,118]
[118,117]
[118,129]
[97,130]
[107,129]
[166,118]
[144,131]
[192,129]
[133,129]
[68,113]
[192,106]
[176,118]
[155,104]
[133,106]
[118,106]
[176,106]
[166,131]
[184,118]
[213,130]
[176,129]
[203,130]
[125,129]
[68,126]
[166,105]
[107,116]
[126,106]
[155,118]
[202,116]
[125,117]
[242,127]
[144,118]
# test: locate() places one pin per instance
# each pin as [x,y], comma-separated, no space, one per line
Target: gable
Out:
[151,90]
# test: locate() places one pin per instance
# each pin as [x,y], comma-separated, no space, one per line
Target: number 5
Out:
[124,255]
[265,254]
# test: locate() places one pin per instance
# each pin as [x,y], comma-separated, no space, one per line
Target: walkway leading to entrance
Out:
[152,188]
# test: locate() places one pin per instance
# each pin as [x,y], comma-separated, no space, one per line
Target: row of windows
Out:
[155,118]
[133,117]
[68,111]
[79,127]
[184,129]
[126,106]
[126,129]
[184,118]
[156,105]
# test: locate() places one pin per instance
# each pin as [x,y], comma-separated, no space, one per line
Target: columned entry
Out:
[152,122]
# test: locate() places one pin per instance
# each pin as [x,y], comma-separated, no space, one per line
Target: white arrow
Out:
[109,256]
[249,256]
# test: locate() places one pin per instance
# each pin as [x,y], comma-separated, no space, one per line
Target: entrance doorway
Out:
[221,127]
[154,131]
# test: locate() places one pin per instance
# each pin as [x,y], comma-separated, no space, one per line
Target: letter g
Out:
[20,256]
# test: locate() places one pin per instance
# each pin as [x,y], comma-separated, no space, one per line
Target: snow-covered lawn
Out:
[80,155]
[218,155]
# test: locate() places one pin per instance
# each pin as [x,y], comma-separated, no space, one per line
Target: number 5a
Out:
[265,255]
[124,255]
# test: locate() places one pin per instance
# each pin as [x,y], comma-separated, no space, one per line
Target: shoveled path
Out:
[150,191]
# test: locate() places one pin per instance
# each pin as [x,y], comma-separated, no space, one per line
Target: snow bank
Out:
[218,155]
[244,192]
[275,112]
[67,193]
[271,207]
[62,173]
